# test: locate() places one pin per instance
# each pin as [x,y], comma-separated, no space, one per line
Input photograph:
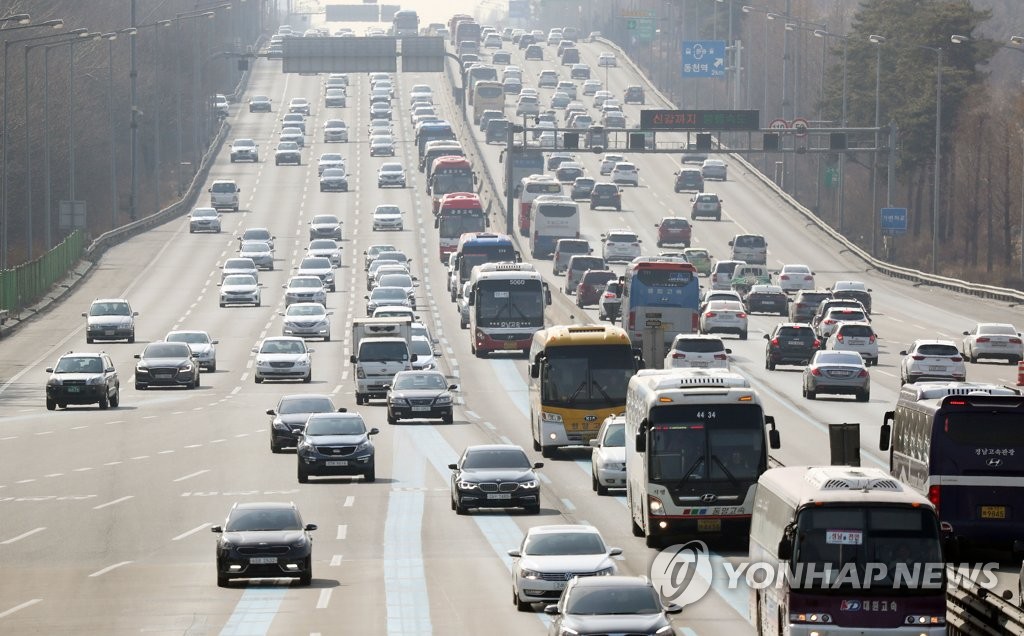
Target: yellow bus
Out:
[487,95]
[578,377]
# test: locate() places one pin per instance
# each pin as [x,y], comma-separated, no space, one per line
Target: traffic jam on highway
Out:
[642,350]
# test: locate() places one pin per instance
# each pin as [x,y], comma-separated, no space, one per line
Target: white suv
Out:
[858,337]
[620,245]
[697,352]
[932,360]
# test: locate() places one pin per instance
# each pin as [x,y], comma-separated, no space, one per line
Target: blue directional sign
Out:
[703,58]
[894,220]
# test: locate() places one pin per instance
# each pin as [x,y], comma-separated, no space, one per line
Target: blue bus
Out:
[961,444]
[433,131]
[477,248]
[525,161]
[660,291]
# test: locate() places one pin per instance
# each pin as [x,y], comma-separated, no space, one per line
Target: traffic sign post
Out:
[893,221]
[778,124]
[703,58]
[799,127]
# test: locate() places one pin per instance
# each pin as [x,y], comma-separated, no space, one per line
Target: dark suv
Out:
[606,195]
[790,343]
[633,95]
[264,540]
[805,305]
[689,180]
[674,230]
[592,285]
[83,378]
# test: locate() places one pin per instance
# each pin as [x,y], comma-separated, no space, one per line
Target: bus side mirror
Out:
[885,434]
[437,222]
[547,294]
[640,442]
[471,298]
[534,370]
[773,433]
[785,550]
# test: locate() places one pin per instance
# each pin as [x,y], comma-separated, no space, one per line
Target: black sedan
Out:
[419,394]
[495,476]
[83,378]
[767,299]
[289,418]
[166,364]
[264,540]
[611,605]
[336,444]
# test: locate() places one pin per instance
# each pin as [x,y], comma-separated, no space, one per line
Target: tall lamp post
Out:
[938,153]
[764,58]
[181,17]
[733,77]
[53,24]
[29,239]
[824,34]
[156,26]
[878,41]
[110,37]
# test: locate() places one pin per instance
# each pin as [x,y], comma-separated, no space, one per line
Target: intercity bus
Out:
[506,307]
[405,23]
[578,377]
[849,551]
[696,442]
[532,187]
[457,213]
[662,290]
[487,95]
[552,217]
[449,173]
[477,248]
[961,444]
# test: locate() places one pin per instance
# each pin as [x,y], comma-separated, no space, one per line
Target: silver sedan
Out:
[838,372]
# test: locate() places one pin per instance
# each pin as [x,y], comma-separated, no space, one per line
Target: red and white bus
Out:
[457,214]
[449,173]
[534,186]
[507,303]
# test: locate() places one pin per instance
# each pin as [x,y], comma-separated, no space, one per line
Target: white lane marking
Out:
[324,600]
[25,481]
[544,478]
[108,569]
[23,535]
[505,440]
[141,457]
[82,470]
[349,501]
[54,475]
[189,533]
[113,463]
[335,560]
[342,531]
[570,506]
[114,502]
[193,445]
[191,475]
[17,608]
[165,452]
[235,390]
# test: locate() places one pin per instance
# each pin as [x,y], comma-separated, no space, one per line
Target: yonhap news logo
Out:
[682,572]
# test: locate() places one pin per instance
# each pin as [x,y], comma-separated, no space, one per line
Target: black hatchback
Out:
[790,343]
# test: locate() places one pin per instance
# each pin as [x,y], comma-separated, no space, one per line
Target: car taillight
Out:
[1015,341]
[917,357]
[862,374]
[636,245]
[957,359]
[982,340]
[741,315]
[775,342]
[709,314]
[815,371]
[784,277]
[839,337]
[808,278]
[608,295]
[871,338]
[720,356]
[828,321]
[934,496]
[678,356]
[817,343]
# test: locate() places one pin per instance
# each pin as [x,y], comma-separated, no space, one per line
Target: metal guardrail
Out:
[895,271]
[971,610]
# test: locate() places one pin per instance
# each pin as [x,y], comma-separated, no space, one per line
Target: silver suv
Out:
[110,319]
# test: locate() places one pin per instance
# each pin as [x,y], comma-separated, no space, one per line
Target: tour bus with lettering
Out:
[530,188]
[506,307]
[552,217]
[844,550]
[457,214]
[578,377]
[449,173]
[961,444]
[663,292]
[696,442]
[477,248]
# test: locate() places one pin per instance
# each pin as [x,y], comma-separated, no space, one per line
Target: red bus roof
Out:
[450,161]
[460,200]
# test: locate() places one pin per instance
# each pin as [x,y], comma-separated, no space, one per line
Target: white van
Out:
[721,273]
[224,195]
[751,248]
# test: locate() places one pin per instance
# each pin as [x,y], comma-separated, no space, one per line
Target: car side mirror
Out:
[137,356]
[967,333]
[551,609]
[373,431]
[352,359]
[216,529]
[49,369]
[595,443]
[515,554]
[453,466]
[903,353]
[538,465]
[254,350]
[108,370]
[310,527]
[271,412]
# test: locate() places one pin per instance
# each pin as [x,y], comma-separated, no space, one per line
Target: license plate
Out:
[699,364]
[263,560]
[421,408]
[109,332]
[936,367]
[74,389]
[842,374]
[998,344]
[709,525]
[993,512]
[336,462]
[499,495]
[163,376]
[511,345]
[558,585]
[796,342]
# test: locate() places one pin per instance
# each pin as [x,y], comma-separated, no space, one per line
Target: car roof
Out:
[612,581]
[562,527]
[84,354]
[483,447]
[273,505]
[918,343]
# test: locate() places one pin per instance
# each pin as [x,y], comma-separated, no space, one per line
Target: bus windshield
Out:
[500,304]
[587,377]
[831,538]
[455,225]
[691,445]
[453,181]
[495,254]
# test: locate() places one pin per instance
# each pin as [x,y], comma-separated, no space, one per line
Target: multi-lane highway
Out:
[105,515]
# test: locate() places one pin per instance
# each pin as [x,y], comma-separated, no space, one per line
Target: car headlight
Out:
[141,368]
[443,400]
[553,418]
[365,446]
[466,485]
[667,630]
[53,382]
[567,631]
[399,401]
[96,380]
[127,322]
[281,426]
[608,571]
[530,574]
[302,362]
[299,543]
[528,485]
[185,367]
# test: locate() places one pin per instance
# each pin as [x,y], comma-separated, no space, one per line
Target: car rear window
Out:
[599,277]
[585,263]
[675,224]
[622,238]
[813,298]
[848,315]
[857,331]
[605,189]
[794,333]
[699,345]
[938,350]
[726,268]
[707,198]
[749,241]
[573,247]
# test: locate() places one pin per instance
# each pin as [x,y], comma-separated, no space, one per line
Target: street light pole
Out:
[110,37]
[938,155]
[878,41]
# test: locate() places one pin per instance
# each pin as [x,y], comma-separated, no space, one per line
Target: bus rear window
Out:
[664,277]
[988,429]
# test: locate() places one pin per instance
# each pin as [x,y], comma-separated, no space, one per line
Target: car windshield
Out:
[305,282]
[330,157]
[257,519]
[388,293]
[325,219]
[110,309]
[332,173]
[838,358]
[239,279]
[283,346]
[391,167]
[201,212]
[615,435]
[303,309]
[224,187]
[335,425]
[427,381]
[387,209]
[191,337]
[287,145]
[323,244]
[613,600]
[315,263]
[167,350]
[255,246]
[496,458]
[563,543]
[239,263]
[79,365]
[312,404]
[396,280]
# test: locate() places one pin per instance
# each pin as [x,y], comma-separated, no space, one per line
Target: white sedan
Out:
[607,60]
[793,278]
[387,217]
[724,316]
[993,340]
[283,358]
[551,555]
[608,459]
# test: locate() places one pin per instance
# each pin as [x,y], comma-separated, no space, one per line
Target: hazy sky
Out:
[428,10]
